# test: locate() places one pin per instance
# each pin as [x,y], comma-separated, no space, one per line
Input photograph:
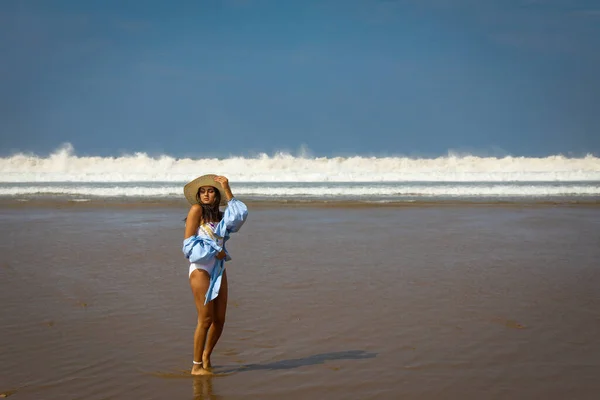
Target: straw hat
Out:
[191,189]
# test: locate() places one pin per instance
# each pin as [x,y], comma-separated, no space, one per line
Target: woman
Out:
[206,231]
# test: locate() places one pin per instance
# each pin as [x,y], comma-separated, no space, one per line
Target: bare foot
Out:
[198,370]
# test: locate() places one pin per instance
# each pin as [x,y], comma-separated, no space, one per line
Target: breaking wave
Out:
[64,166]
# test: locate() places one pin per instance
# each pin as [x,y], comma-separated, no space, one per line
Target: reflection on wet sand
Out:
[203,388]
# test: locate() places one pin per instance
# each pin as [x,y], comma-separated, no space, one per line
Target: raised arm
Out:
[225,183]
[236,212]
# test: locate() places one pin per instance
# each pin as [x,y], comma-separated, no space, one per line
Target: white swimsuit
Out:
[207,229]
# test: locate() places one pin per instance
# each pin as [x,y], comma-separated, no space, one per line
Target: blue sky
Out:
[240,77]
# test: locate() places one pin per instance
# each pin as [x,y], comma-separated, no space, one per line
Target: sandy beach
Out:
[367,302]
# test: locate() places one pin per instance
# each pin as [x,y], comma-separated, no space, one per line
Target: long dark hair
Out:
[210,212]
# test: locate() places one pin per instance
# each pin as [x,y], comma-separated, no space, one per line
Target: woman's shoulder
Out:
[195,209]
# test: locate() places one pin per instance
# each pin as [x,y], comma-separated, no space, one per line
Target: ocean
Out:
[284,177]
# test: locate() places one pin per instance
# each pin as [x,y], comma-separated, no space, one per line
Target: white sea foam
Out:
[425,191]
[64,166]
[321,191]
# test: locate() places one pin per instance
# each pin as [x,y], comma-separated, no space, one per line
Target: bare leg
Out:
[218,321]
[199,281]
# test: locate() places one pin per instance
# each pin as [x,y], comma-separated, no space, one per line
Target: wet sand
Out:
[420,302]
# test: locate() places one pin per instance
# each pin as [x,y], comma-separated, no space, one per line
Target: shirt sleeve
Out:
[200,250]
[235,215]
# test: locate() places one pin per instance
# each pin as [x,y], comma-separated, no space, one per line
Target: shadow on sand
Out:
[298,362]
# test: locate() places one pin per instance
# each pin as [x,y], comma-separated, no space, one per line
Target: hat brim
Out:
[191,189]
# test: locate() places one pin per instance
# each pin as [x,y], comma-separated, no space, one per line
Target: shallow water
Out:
[415,302]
